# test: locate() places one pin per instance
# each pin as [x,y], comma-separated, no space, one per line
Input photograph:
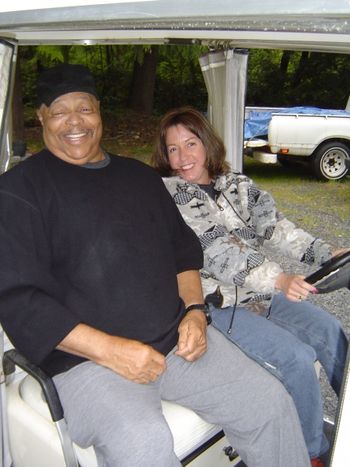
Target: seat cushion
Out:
[188,429]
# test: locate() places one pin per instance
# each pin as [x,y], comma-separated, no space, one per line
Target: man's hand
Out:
[129,358]
[294,286]
[192,342]
[135,361]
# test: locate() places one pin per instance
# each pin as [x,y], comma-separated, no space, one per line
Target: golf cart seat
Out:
[38,435]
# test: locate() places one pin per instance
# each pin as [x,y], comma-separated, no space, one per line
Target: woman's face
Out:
[187,155]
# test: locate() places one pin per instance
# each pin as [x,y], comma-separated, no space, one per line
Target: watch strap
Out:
[202,307]
[196,306]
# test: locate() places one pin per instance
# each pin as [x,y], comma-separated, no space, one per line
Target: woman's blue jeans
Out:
[287,343]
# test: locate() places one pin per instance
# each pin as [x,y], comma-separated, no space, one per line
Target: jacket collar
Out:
[222,183]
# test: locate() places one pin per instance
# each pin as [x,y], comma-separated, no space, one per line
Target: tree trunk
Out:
[141,93]
[304,58]
[285,59]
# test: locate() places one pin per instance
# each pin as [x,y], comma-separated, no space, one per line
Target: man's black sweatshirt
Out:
[100,246]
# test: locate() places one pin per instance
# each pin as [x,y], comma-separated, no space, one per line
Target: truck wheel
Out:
[330,161]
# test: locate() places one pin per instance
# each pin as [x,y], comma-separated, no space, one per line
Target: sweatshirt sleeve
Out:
[31,311]
[232,260]
[187,248]
[297,244]
[280,235]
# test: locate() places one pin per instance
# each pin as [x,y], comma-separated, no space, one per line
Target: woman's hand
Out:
[294,286]
[339,252]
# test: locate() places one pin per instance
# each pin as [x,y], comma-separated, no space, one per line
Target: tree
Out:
[279,78]
[157,78]
[179,77]
[141,94]
[300,69]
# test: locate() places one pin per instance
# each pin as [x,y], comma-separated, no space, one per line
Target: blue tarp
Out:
[257,122]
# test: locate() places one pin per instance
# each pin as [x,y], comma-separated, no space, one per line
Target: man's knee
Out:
[277,401]
[143,443]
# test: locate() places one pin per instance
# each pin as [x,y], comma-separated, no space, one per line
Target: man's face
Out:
[72,127]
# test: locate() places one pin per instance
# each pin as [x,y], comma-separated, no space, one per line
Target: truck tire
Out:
[329,161]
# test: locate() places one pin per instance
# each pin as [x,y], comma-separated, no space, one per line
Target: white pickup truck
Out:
[320,137]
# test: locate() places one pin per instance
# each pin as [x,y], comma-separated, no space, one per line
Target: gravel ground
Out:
[338,303]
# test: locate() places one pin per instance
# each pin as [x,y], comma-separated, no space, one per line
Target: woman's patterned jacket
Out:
[239,231]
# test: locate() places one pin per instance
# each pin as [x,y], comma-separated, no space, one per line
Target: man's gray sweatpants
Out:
[124,422]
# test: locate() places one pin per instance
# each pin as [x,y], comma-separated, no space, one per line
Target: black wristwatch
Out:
[202,307]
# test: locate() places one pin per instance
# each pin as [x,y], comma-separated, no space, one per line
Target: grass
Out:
[142,153]
[312,204]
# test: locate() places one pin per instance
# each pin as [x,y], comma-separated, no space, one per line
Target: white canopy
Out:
[312,24]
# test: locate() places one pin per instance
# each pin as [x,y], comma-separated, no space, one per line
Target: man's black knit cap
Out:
[62,79]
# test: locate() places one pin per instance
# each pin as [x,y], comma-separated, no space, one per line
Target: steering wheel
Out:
[333,275]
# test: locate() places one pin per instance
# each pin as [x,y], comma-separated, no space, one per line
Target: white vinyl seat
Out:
[196,441]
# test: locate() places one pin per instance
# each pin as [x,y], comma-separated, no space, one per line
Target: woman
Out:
[237,224]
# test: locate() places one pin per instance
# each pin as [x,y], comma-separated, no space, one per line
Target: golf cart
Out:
[33,428]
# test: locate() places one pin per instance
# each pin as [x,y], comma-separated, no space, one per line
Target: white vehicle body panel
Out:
[301,134]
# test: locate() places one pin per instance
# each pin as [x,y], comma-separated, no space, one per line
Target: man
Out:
[97,270]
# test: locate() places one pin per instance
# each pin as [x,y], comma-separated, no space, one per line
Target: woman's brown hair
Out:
[197,124]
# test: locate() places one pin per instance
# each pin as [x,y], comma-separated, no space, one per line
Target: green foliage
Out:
[179,78]
[275,77]
[49,54]
[281,78]
[111,65]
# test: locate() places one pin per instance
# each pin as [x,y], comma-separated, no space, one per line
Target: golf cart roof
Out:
[320,25]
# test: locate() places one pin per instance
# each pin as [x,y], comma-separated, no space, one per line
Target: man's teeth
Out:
[75,135]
